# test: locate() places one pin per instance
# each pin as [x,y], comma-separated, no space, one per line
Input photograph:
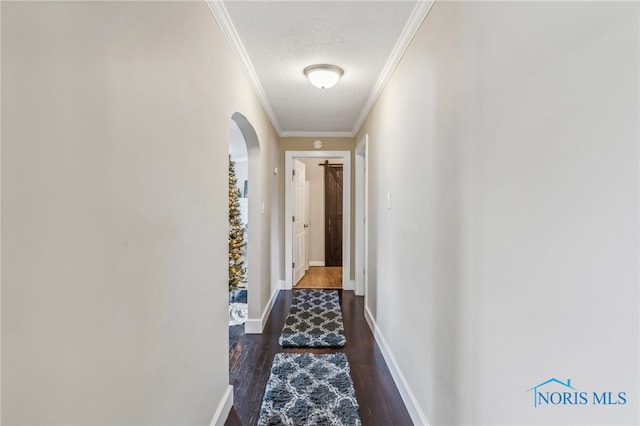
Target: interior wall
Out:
[306,144]
[114,211]
[508,140]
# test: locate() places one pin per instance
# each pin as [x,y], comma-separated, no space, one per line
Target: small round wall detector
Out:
[317,144]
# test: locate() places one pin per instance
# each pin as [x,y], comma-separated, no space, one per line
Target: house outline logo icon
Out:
[551,380]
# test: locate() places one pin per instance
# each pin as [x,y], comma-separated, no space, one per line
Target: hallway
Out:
[250,363]
[491,218]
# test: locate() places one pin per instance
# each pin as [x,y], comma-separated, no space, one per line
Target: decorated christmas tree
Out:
[237,233]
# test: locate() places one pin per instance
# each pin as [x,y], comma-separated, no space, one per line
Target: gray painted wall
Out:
[508,139]
[114,212]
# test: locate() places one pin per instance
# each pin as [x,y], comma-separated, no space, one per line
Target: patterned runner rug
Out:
[315,320]
[309,390]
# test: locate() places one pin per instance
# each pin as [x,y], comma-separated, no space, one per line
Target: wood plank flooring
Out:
[251,357]
[321,277]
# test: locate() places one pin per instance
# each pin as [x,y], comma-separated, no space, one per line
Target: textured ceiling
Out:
[275,41]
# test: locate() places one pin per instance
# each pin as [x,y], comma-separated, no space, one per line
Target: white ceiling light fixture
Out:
[323,76]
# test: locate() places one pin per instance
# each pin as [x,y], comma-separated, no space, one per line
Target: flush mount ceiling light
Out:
[323,76]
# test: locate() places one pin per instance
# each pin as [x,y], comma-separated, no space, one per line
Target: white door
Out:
[299,220]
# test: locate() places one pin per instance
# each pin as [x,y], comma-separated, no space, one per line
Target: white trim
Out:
[223,19]
[346,211]
[316,263]
[409,399]
[224,408]
[0,218]
[294,134]
[284,286]
[256,326]
[418,15]
[253,326]
[349,285]
[362,209]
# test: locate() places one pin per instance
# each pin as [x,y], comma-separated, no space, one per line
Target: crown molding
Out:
[223,19]
[316,135]
[419,13]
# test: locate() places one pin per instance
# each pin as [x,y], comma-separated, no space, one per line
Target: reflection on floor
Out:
[321,277]
[237,331]
[238,296]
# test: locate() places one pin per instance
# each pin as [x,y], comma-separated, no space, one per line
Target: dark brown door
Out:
[333,215]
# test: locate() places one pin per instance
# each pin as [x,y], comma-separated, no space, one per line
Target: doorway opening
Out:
[238,237]
[244,150]
[317,219]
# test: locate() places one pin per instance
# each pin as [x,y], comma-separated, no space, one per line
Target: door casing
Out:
[347,283]
[299,213]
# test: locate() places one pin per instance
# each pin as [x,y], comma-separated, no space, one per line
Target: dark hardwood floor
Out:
[251,357]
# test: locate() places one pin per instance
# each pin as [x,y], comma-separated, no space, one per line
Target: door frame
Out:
[362,209]
[255,290]
[303,266]
[347,284]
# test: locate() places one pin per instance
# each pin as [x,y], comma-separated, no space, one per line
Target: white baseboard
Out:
[224,408]
[359,289]
[348,285]
[285,286]
[255,326]
[316,263]
[409,399]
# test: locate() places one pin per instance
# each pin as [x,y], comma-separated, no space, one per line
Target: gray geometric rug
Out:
[314,321]
[309,390]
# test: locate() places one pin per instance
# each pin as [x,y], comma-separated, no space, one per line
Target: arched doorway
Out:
[245,151]
[239,216]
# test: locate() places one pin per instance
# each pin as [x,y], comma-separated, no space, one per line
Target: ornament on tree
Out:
[237,231]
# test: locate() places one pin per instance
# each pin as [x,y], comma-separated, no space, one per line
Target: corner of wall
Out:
[255,326]
[285,286]
[224,408]
[415,411]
